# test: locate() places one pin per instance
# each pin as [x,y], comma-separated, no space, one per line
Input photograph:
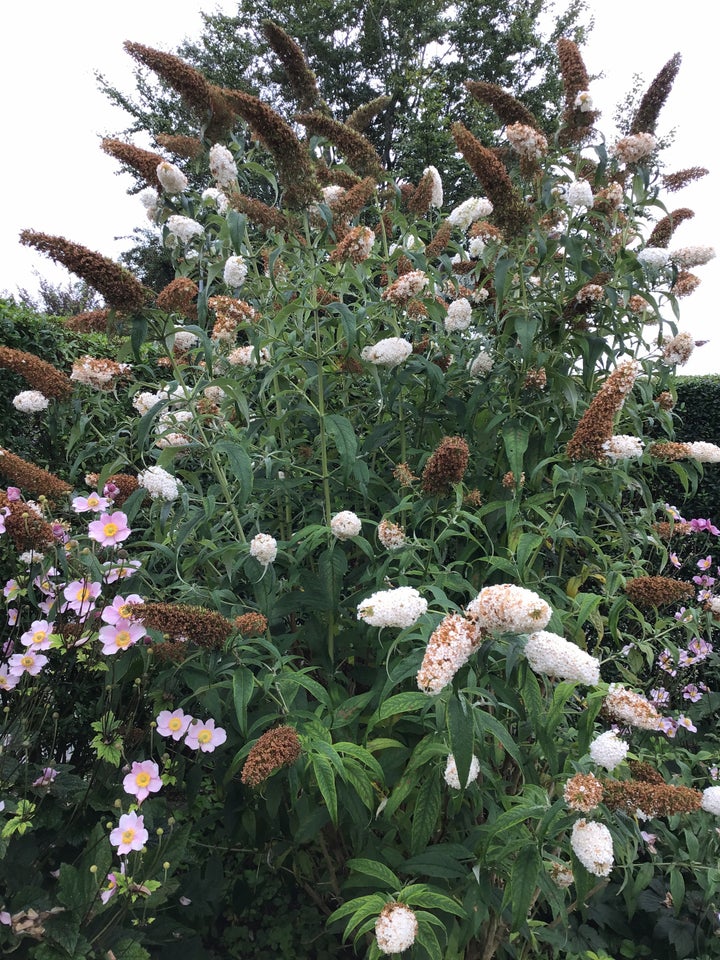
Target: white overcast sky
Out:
[56,179]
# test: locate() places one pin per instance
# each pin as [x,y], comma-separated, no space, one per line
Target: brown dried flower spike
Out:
[446,466]
[647,592]
[279,747]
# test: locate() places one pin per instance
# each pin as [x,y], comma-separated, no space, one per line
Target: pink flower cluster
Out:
[199,734]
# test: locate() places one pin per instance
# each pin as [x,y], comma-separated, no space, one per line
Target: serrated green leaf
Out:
[426,812]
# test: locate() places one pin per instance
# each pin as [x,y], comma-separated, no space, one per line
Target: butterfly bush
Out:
[450,412]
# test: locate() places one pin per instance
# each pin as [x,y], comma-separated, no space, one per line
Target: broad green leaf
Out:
[372,868]
[343,434]
[242,479]
[426,812]
[243,682]
[523,884]
[420,895]
[516,438]
[462,742]
[490,725]
[325,777]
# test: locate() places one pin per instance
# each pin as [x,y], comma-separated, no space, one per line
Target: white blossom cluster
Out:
[711,800]
[172,179]
[183,228]
[246,356]
[235,271]
[553,655]
[583,101]
[185,339]
[526,140]
[264,548]
[579,194]
[222,166]
[449,648]
[169,428]
[592,843]
[160,484]
[506,608]
[476,248]
[345,525]
[332,193]
[215,198]
[635,147]
[395,928]
[632,708]
[481,365]
[608,750]
[436,196]
[400,607]
[144,401]
[679,349]
[30,401]
[695,256]
[451,774]
[469,211]
[459,315]
[152,205]
[622,446]
[704,452]
[98,372]
[389,352]
[655,257]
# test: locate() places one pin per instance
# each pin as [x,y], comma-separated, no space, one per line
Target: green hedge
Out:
[697,418]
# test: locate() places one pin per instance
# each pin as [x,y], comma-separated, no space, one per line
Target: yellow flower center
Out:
[39,636]
[128,835]
[27,661]
[174,723]
[205,735]
[110,529]
[125,611]
[142,779]
[123,639]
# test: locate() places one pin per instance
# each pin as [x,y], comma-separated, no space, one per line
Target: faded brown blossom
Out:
[665,400]
[39,374]
[648,111]
[681,178]
[648,592]
[251,624]
[355,246]
[508,109]
[510,211]
[669,450]
[229,314]
[685,284]
[144,162]
[419,202]
[119,287]
[204,99]
[179,296]
[596,425]
[666,530]
[91,321]
[439,242]
[638,304]
[126,485]
[535,379]
[446,466]
[189,148]
[300,77]
[31,479]
[663,229]
[353,200]
[206,628]
[473,498]
[509,481]
[641,770]
[276,748]
[335,176]
[652,799]
[269,218]
[583,792]
[359,153]
[25,528]
[404,475]
[576,123]
[361,117]
[295,173]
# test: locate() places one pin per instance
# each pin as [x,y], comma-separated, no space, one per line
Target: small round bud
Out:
[159,831]
[166,865]
[93,868]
